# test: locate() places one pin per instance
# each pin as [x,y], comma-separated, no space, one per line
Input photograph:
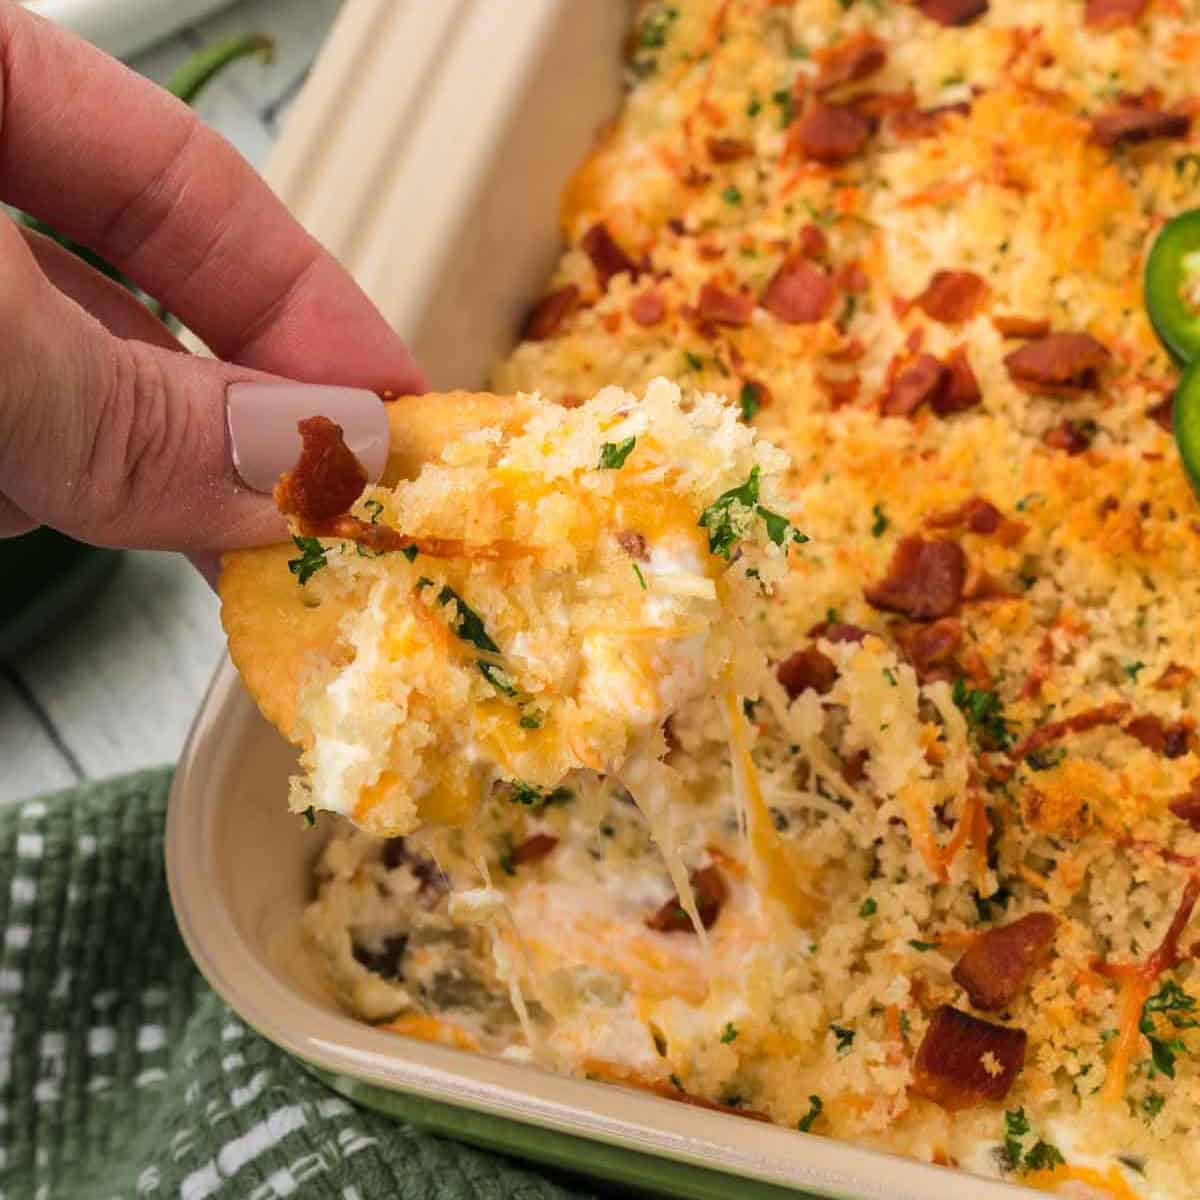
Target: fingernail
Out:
[264,438]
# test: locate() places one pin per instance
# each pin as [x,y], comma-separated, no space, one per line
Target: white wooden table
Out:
[118,689]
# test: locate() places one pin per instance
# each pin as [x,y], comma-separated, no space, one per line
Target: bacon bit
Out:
[837,631]
[1187,806]
[924,380]
[727,149]
[830,133]
[607,257]
[532,849]
[1109,14]
[1136,980]
[799,293]
[854,768]
[930,648]
[848,352]
[962,388]
[1011,325]
[1134,123]
[327,478]
[1059,364]
[760,392]
[979,515]
[999,962]
[383,539]
[924,580]
[807,668]
[1081,722]
[851,59]
[949,1067]
[1074,437]
[634,544]
[927,122]
[811,242]
[841,391]
[724,308]
[548,314]
[953,297]
[1040,672]
[648,308]
[1175,676]
[1154,735]
[708,886]
[953,12]
[1164,413]
[852,278]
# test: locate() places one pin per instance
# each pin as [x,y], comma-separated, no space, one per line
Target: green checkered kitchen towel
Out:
[121,1074]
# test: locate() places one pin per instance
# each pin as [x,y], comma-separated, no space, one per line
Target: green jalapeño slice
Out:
[1172,286]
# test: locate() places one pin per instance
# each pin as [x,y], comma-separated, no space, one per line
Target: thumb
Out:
[123,443]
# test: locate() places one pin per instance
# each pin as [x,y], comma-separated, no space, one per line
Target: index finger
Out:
[116,163]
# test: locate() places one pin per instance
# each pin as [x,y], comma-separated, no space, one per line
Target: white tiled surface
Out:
[117,690]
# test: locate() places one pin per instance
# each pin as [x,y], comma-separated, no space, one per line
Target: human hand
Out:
[109,431]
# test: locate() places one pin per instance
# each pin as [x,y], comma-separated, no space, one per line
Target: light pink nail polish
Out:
[264,438]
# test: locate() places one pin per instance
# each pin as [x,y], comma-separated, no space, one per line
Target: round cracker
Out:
[276,634]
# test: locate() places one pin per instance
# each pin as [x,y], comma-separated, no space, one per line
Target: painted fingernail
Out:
[264,438]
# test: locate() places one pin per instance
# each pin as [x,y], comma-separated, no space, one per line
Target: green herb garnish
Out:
[614,454]
[748,399]
[844,1037]
[729,517]
[1152,1104]
[729,1033]
[312,559]
[881,521]
[732,195]
[783,98]
[693,361]
[868,908]
[640,577]
[310,816]
[532,718]
[922,947]
[814,1111]
[1132,669]
[1045,760]
[468,625]
[1179,1009]
[531,795]
[1016,1126]
[1043,1157]
[985,715]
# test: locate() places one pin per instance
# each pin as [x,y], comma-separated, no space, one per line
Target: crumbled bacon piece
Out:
[838,631]
[998,963]
[548,314]
[923,380]
[854,767]
[1058,364]
[1081,722]
[1171,741]
[1011,325]
[1132,123]
[931,648]
[979,515]
[848,61]
[607,257]
[914,124]
[952,1064]
[811,242]
[648,307]
[532,849]
[1187,806]
[759,391]
[708,887]
[1164,413]
[799,292]
[953,12]
[727,149]
[1073,437]
[327,478]
[924,581]
[953,297]
[807,668]
[830,133]
[1109,14]
[841,391]
[962,388]
[724,308]
[634,544]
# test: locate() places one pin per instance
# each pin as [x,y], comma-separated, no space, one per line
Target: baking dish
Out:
[428,151]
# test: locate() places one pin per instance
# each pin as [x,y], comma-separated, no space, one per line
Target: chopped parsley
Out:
[1173,1004]
[694,361]
[868,908]
[310,816]
[654,29]
[1188,163]
[922,947]
[506,863]
[814,1111]
[1132,669]
[1016,1126]
[640,577]
[1026,501]
[1043,1157]
[614,454]
[676,1081]
[532,718]
[787,109]
[468,625]
[729,517]
[983,904]
[890,676]
[844,1037]
[732,194]
[312,559]
[409,552]
[729,1033]
[985,715]
[748,398]
[375,508]
[881,521]
[1045,760]
[1152,1104]
[531,795]
[754,107]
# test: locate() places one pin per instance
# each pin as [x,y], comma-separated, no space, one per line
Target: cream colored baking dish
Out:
[428,151]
